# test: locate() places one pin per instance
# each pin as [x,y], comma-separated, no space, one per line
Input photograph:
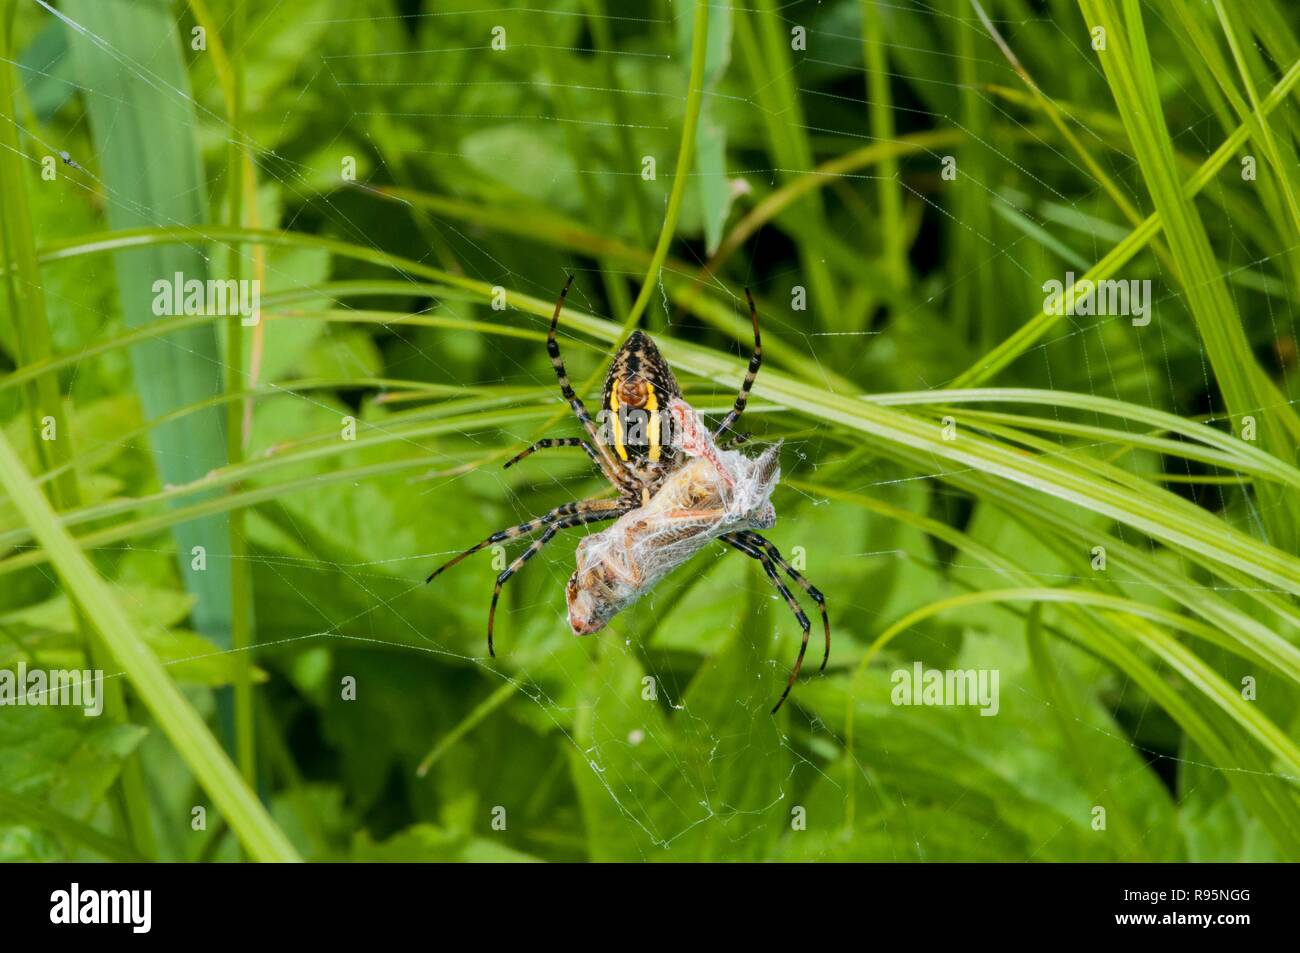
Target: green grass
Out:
[175,716]
[1164,686]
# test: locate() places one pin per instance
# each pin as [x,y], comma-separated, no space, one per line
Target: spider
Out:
[642,411]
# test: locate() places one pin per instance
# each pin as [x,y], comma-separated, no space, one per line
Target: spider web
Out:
[677,769]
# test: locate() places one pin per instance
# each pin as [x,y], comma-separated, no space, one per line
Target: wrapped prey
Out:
[714,492]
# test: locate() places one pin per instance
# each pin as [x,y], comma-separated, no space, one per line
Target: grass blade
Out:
[144,125]
[174,715]
[1029,333]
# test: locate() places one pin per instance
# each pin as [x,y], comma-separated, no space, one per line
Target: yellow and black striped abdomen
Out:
[636,428]
[637,391]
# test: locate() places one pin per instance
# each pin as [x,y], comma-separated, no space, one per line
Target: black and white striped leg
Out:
[606,509]
[607,464]
[548,442]
[754,539]
[755,362]
[749,549]
[578,519]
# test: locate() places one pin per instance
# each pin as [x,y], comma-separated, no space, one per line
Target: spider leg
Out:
[755,362]
[607,464]
[769,567]
[754,539]
[577,519]
[739,440]
[612,507]
[548,442]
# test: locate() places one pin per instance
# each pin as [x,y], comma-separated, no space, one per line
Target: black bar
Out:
[332,903]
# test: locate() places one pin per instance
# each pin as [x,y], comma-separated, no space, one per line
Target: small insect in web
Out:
[678,489]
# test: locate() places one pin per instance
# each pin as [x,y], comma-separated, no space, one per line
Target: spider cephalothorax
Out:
[650,442]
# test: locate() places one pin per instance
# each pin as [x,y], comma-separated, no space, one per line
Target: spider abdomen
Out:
[639,387]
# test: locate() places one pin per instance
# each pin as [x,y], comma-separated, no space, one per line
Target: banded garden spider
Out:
[650,436]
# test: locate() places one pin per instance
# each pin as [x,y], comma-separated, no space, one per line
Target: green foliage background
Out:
[794,146]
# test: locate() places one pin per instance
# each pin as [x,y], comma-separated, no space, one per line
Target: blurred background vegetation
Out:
[895,181]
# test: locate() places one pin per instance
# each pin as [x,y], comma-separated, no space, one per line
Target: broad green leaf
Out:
[144,126]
